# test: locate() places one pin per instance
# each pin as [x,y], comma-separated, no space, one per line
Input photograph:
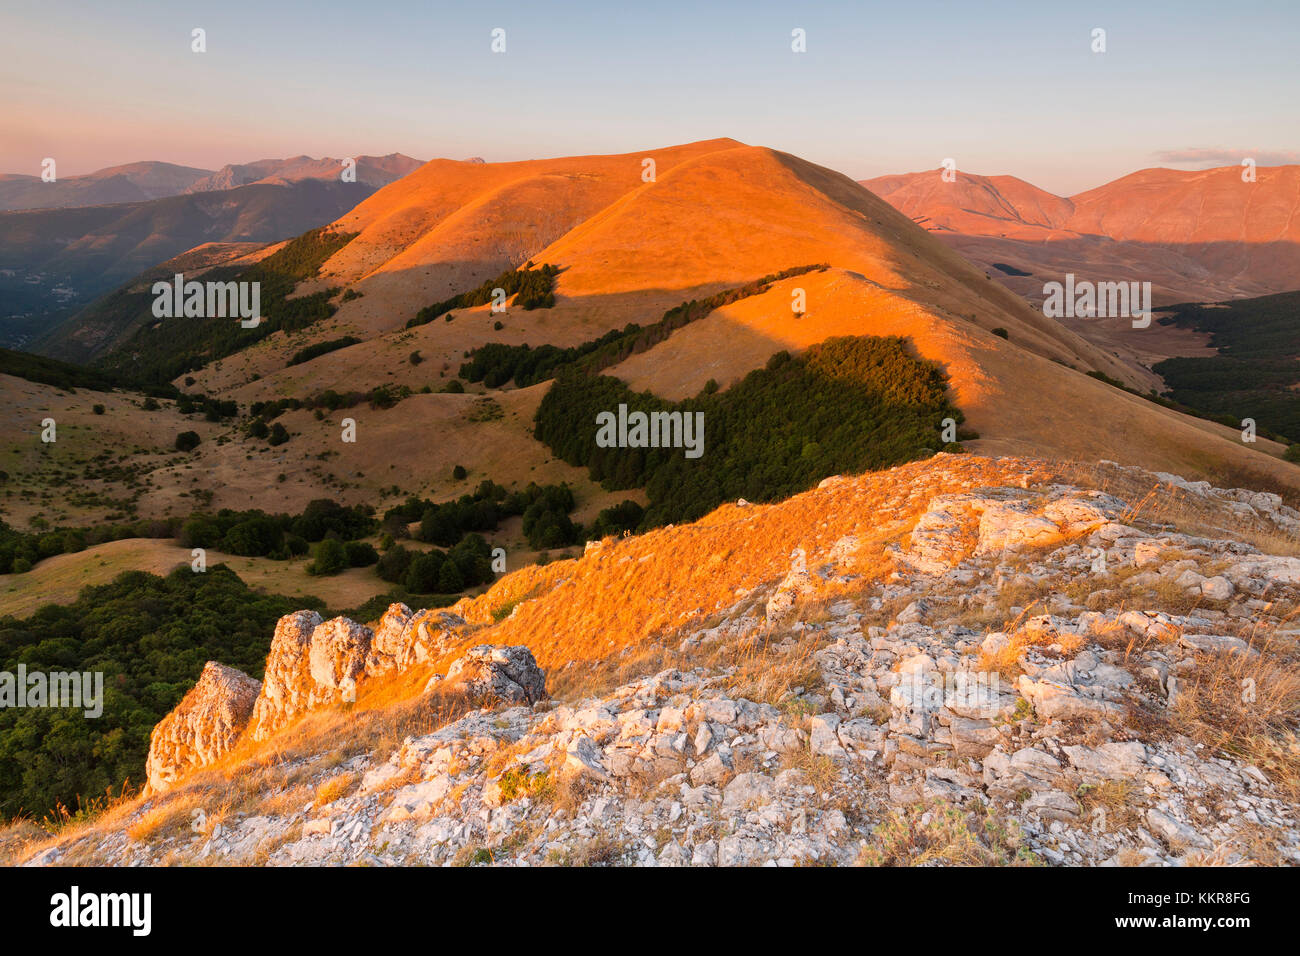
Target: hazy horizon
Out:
[1004,89]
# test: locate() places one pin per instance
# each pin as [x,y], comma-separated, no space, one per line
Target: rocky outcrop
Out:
[283,691]
[405,638]
[202,727]
[495,675]
[311,663]
[387,646]
[956,527]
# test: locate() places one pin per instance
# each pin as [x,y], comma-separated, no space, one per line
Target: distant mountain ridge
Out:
[374,171]
[55,261]
[1195,235]
[136,182]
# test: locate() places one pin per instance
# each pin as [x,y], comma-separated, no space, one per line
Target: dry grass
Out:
[764,671]
[169,819]
[334,788]
[820,770]
[1117,802]
[1246,706]
[1162,504]
[941,834]
[1006,661]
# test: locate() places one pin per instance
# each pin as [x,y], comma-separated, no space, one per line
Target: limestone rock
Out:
[387,647]
[505,674]
[311,663]
[283,693]
[202,727]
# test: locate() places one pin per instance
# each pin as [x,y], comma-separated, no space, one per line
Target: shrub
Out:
[322,348]
[279,435]
[459,472]
[98,409]
[255,536]
[187,441]
[424,572]
[625,516]
[395,564]
[331,558]
[1001,332]
[450,579]
[361,554]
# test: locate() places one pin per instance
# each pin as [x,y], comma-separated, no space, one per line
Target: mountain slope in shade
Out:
[98,327]
[117,184]
[53,262]
[1203,235]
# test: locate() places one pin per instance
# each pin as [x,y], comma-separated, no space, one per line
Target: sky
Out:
[1000,87]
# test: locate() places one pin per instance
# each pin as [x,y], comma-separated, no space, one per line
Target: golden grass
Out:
[334,788]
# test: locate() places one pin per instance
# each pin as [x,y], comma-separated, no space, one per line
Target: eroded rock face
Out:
[405,638]
[314,663]
[339,649]
[505,674]
[386,646]
[282,691]
[311,664]
[202,727]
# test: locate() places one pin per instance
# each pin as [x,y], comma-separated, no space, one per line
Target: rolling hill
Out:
[717,214]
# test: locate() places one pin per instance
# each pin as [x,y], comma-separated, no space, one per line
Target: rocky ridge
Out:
[1039,674]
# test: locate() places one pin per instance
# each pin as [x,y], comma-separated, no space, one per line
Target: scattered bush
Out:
[331,558]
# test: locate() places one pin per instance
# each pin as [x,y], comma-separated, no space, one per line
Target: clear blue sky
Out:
[1002,87]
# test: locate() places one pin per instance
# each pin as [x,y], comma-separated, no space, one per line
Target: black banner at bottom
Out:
[340,905]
